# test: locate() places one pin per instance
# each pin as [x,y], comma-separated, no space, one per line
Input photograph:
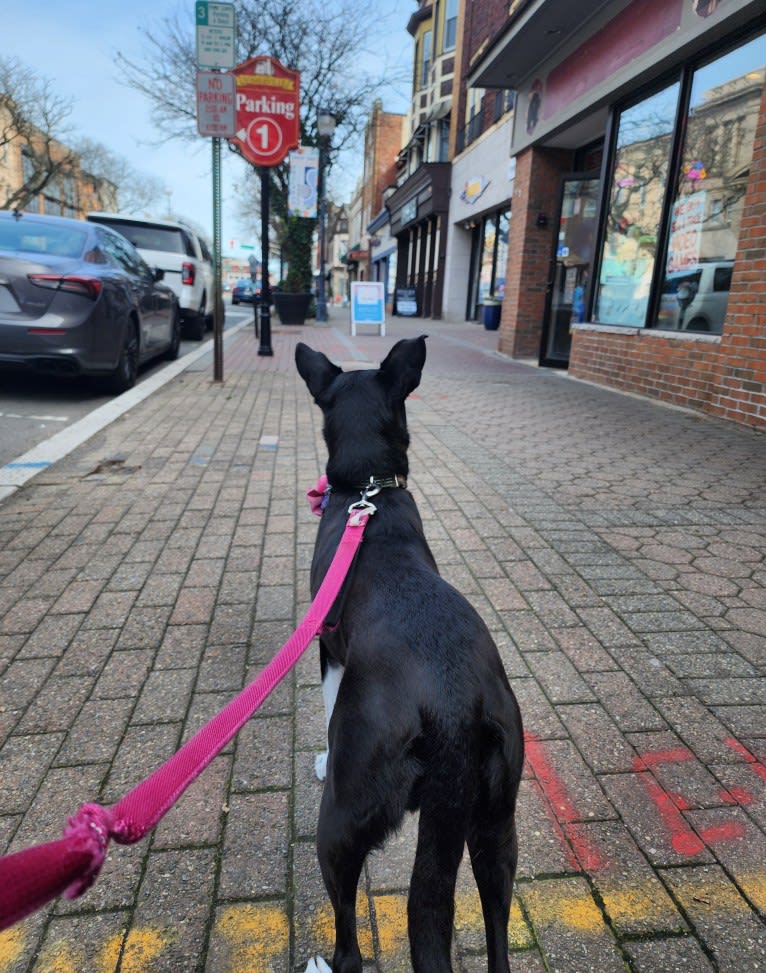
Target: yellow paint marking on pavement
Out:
[645,903]
[258,937]
[391,924]
[59,957]
[142,947]
[323,931]
[469,918]
[555,902]
[11,947]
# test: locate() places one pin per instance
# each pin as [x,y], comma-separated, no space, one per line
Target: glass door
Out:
[568,283]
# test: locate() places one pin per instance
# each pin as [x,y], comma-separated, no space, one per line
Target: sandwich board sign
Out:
[368,304]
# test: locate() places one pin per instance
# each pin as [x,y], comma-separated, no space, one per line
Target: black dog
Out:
[424,717]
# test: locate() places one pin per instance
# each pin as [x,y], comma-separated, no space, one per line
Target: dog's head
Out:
[365,425]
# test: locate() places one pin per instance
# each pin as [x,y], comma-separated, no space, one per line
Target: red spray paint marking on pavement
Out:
[683,838]
[562,810]
[754,763]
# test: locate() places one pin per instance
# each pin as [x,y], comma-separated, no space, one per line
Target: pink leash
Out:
[34,876]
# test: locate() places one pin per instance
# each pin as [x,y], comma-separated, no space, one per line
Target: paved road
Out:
[33,408]
[617,550]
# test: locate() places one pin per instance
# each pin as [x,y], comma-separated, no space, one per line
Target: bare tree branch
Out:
[33,118]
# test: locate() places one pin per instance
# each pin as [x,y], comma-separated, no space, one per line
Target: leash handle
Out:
[34,876]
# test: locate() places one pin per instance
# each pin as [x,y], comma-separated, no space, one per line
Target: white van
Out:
[184,257]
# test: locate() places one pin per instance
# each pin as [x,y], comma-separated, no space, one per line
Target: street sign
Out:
[216,33]
[268,105]
[216,94]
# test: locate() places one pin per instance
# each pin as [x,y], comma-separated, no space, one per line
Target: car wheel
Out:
[234,300]
[175,340]
[124,376]
[195,326]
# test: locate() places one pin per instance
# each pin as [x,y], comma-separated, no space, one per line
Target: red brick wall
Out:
[536,189]
[481,21]
[724,377]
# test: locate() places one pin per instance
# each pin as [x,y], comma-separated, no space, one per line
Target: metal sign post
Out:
[216,94]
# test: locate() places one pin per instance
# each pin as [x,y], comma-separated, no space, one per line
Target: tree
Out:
[322,40]
[138,191]
[33,119]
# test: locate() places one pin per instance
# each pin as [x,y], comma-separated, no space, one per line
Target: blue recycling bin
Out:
[490,315]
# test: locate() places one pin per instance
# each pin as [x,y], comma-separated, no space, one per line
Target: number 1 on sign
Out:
[263,131]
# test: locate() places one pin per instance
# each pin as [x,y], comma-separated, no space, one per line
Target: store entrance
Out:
[571,264]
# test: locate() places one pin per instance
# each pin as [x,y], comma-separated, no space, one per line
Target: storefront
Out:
[641,152]
[418,211]
[480,210]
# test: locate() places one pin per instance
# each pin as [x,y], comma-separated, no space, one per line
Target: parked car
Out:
[695,299]
[184,257]
[77,299]
[245,292]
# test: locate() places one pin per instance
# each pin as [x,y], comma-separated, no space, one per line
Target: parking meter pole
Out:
[264,305]
[217,300]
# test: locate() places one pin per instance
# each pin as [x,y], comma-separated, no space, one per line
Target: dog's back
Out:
[424,716]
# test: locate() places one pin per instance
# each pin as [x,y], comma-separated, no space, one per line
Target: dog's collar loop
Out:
[378,483]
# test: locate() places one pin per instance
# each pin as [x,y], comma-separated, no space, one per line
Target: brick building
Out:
[637,240]
[66,188]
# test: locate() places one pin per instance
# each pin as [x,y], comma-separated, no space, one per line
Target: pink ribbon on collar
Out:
[317,496]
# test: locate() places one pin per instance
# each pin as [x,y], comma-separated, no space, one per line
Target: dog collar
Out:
[319,496]
[377,483]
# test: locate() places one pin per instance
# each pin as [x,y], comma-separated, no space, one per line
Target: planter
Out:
[292,308]
[490,315]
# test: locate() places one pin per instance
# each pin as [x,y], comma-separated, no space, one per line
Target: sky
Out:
[74,44]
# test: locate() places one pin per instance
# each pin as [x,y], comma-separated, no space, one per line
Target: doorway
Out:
[571,264]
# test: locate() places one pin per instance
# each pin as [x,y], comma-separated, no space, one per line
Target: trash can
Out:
[490,315]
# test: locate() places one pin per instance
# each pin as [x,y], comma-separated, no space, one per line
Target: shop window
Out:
[493,256]
[640,176]
[710,185]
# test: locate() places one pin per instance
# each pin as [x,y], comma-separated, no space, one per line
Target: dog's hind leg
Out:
[494,851]
[342,847]
[491,835]
[431,905]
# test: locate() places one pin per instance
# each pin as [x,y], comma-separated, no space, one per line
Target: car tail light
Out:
[73,283]
[187,273]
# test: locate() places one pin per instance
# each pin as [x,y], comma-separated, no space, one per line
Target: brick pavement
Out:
[617,550]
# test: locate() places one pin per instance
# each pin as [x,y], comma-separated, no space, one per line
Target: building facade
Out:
[419,206]
[638,227]
[60,185]
[481,184]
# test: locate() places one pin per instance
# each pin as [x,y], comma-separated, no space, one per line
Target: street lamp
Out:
[325,129]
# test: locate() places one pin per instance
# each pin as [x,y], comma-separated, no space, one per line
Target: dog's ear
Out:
[403,365]
[316,369]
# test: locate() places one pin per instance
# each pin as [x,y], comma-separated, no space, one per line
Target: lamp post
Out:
[325,129]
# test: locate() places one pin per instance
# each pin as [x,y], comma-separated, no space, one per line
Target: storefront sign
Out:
[409,211]
[406,302]
[473,189]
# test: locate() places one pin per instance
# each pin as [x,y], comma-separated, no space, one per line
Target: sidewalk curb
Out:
[22,469]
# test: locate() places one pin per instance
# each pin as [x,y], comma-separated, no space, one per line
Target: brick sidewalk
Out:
[616,549]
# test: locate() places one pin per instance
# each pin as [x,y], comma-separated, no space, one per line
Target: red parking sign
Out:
[268,101]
